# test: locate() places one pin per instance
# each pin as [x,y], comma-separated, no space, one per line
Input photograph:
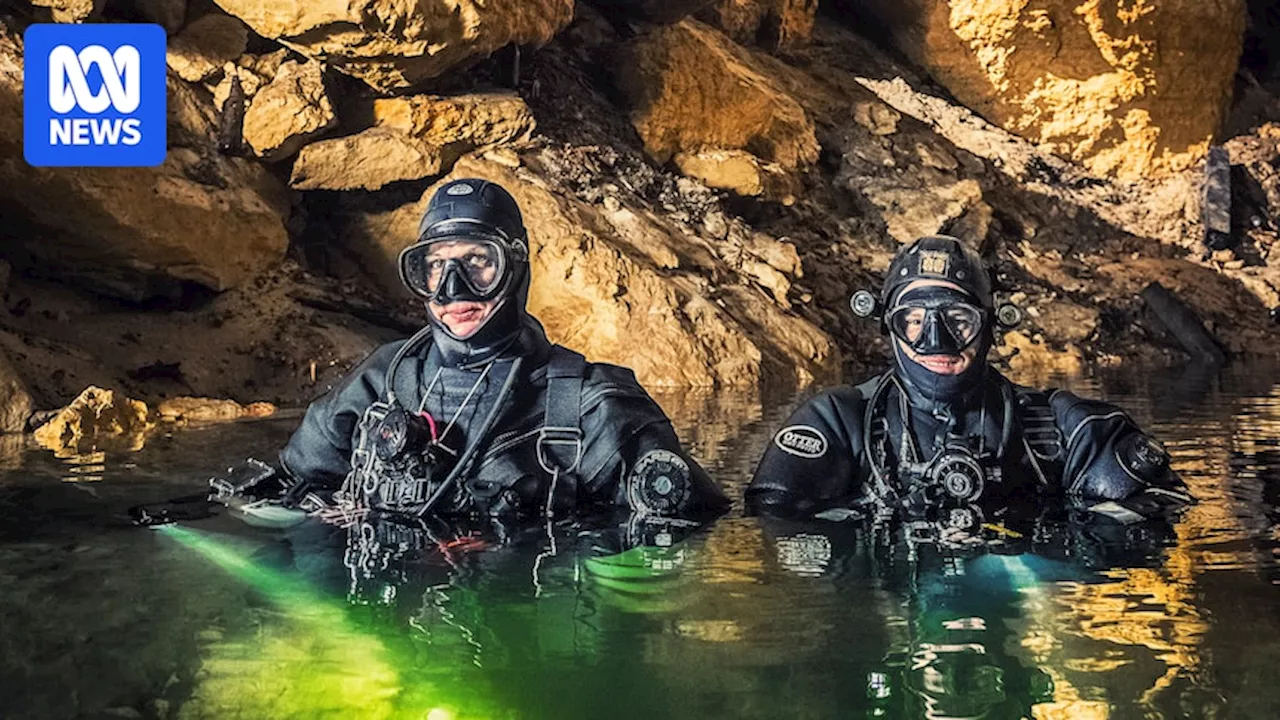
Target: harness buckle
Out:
[550,435]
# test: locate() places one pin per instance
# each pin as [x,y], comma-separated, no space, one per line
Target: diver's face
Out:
[913,325]
[463,317]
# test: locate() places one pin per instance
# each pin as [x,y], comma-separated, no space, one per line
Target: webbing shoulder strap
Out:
[560,440]
[1041,437]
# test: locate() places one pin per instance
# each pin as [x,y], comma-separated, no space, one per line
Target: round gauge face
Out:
[391,435]
[659,483]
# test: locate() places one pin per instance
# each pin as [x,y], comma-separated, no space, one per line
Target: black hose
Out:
[476,439]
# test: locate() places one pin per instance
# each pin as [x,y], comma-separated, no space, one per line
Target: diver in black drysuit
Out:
[496,421]
[943,430]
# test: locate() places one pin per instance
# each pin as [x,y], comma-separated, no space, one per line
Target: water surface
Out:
[745,619]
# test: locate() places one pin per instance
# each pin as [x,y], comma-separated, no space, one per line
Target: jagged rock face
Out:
[413,138]
[138,232]
[289,111]
[773,24]
[1130,89]
[741,172]
[71,11]
[15,401]
[98,417]
[692,90]
[394,46]
[205,45]
[603,276]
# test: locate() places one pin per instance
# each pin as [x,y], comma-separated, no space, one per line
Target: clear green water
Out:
[745,620]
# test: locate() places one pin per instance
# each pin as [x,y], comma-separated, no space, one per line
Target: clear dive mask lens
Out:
[934,320]
[466,268]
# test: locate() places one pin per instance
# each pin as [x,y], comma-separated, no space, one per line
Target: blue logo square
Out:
[94,95]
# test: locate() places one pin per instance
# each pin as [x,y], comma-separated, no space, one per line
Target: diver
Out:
[478,414]
[943,433]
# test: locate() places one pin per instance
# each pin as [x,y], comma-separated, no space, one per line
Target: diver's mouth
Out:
[942,364]
[465,314]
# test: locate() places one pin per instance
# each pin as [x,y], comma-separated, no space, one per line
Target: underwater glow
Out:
[307,657]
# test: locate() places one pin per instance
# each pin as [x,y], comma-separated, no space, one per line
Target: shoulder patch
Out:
[802,441]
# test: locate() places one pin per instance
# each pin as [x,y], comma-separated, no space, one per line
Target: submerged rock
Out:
[201,410]
[95,417]
[15,402]
[396,46]
[1128,89]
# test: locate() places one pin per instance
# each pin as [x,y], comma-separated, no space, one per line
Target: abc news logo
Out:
[94,95]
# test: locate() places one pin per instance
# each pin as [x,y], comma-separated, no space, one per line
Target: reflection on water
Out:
[1049,618]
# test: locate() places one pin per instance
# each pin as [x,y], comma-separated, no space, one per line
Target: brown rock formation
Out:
[394,46]
[71,11]
[741,172]
[773,24]
[414,137]
[1129,89]
[205,45]
[138,232]
[15,402]
[98,416]
[605,276]
[691,89]
[289,111]
[184,410]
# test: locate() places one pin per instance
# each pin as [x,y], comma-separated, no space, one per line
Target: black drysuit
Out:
[620,426]
[1054,443]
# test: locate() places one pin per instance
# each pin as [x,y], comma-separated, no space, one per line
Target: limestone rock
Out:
[169,13]
[205,45]
[253,72]
[1128,89]
[71,11]
[15,402]
[878,118]
[473,120]
[741,172]
[199,410]
[415,137]
[250,83]
[911,212]
[773,24]
[95,417]
[778,254]
[393,46]
[691,88]
[1030,357]
[140,232]
[366,160]
[601,279]
[291,110]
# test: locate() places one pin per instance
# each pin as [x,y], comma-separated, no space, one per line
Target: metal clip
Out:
[559,436]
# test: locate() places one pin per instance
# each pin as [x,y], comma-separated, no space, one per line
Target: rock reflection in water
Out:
[744,619]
